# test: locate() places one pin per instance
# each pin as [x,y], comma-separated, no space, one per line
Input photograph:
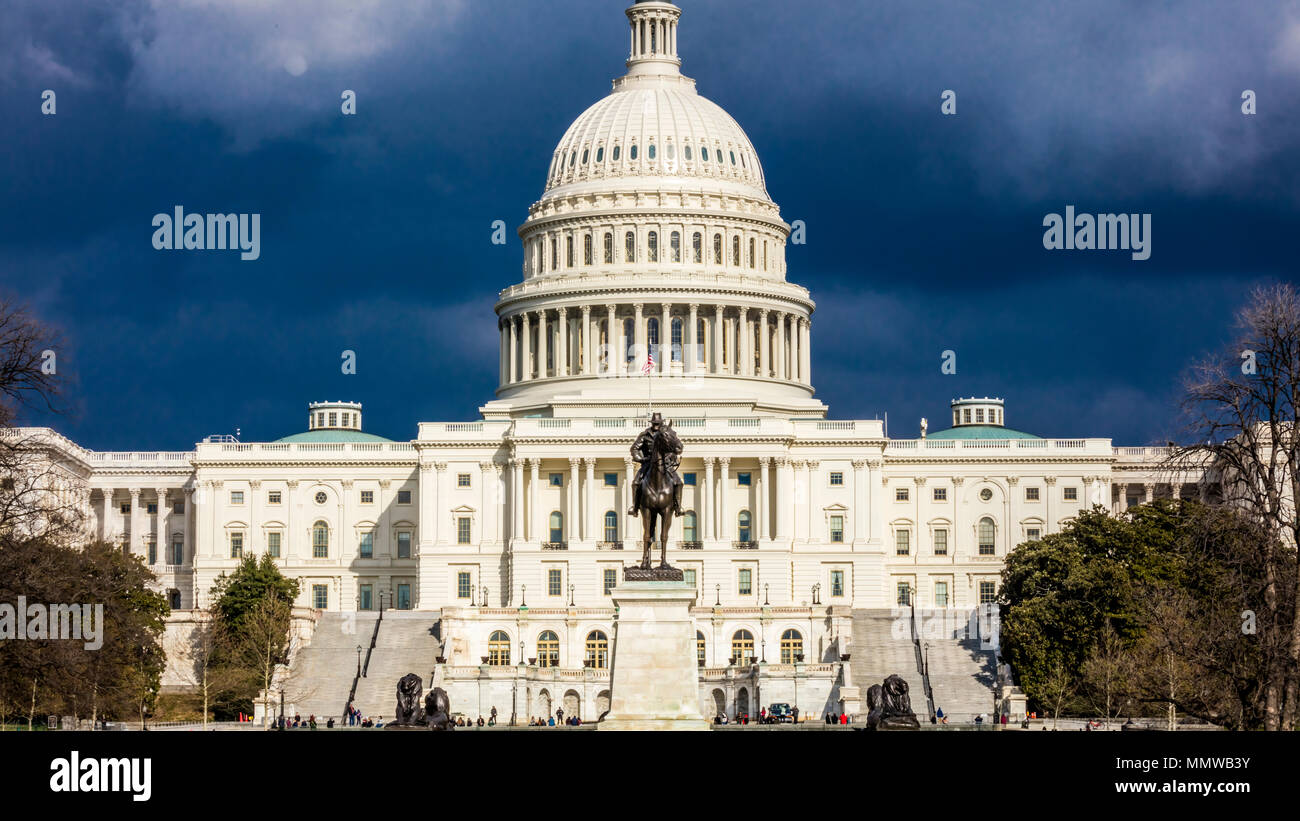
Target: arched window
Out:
[672,151]
[704,153]
[585,154]
[548,649]
[586,250]
[697,247]
[629,247]
[717,249]
[652,332]
[791,646]
[629,339]
[611,526]
[555,255]
[631,152]
[651,153]
[568,251]
[744,528]
[597,650]
[320,541]
[688,152]
[609,248]
[675,242]
[742,647]
[699,339]
[699,649]
[617,151]
[752,255]
[600,154]
[676,339]
[573,158]
[652,247]
[499,649]
[733,157]
[690,527]
[735,251]
[986,534]
[557,526]
[174,599]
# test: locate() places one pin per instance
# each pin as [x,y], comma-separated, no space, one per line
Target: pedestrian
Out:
[795,715]
[844,719]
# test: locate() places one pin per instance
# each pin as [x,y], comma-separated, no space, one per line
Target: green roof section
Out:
[333,436]
[981,432]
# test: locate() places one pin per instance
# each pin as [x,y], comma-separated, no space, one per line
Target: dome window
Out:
[652,151]
[688,152]
[653,246]
[742,162]
[600,154]
[672,152]
[704,153]
[585,154]
[632,152]
[733,157]
[573,158]
[616,153]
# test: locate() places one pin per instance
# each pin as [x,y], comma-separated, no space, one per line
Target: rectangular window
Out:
[367,497]
[941,494]
[463,584]
[904,594]
[557,480]
[178,553]
[688,479]
[125,508]
[611,579]
[273,544]
[366,597]
[462,530]
[903,542]
[837,529]
[1033,534]
[152,507]
[403,497]
[1071,494]
[941,543]
[940,594]
[837,478]
[743,479]
[688,576]
[900,494]
[979,415]
[988,592]
[236,497]
[273,497]
[611,480]
[554,583]
[368,545]
[334,420]
[462,480]
[236,545]
[1031,494]
[153,553]
[178,508]
[837,583]
[404,597]
[404,545]
[320,596]
[745,582]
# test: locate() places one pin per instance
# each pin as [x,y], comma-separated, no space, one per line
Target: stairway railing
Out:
[352,694]
[922,666]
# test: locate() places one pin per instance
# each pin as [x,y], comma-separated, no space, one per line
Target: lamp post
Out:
[764,643]
[523,595]
[571,595]
[359,661]
[816,593]
[483,598]
[718,601]
[765,601]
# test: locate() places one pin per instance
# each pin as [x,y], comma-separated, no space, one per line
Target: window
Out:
[1071,494]
[699,649]
[985,495]
[986,536]
[557,526]
[652,247]
[320,541]
[751,239]
[611,526]
[366,597]
[617,152]
[334,420]
[404,545]
[791,647]
[988,592]
[555,255]
[837,583]
[367,497]
[675,242]
[900,494]
[697,247]
[153,552]
[966,416]
[404,597]
[743,526]
[125,507]
[152,507]
[403,497]
[690,527]
[368,545]
[548,649]
[178,508]
[688,576]
[609,248]
[941,494]
[611,480]
[236,545]
[1031,494]
[903,542]
[273,497]
[745,582]
[320,596]
[744,479]
[688,479]
[652,332]
[742,647]
[940,594]
[178,551]
[837,528]
[941,542]
[174,599]
[597,650]
[704,153]
[464,585]
[321,497]
[629,247]
[651,153]
[676,339]
[610,579]
[600,154]
[979,415]
[556,479]
[837,478]
[1033,534]
[554,583]
[699,339]
[462,530]
[462,480]
[236,498]
[904,594]
[717,244]
[499,649]
[735,251]
[586,250]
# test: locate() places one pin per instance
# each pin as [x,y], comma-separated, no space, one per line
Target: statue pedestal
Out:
[654,678]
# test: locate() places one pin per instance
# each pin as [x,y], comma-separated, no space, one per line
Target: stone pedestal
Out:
[654,678]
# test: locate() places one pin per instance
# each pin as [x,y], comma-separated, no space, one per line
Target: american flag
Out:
[649,365]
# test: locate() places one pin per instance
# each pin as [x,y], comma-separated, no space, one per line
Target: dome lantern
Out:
[654,38]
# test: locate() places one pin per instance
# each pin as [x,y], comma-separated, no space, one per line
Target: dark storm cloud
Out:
[924,231]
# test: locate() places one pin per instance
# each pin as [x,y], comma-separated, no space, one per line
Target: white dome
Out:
[659,128]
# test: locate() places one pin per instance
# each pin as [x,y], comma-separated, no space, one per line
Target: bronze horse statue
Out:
[657,487]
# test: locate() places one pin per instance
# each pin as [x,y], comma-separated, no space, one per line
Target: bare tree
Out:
[1106,675]
[1242,407]
[260,644]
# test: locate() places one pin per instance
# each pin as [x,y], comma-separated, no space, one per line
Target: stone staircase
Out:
[962,677]
[406,644]
[321,674]
[879,652]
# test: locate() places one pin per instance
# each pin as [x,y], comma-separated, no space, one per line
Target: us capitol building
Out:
[492,545]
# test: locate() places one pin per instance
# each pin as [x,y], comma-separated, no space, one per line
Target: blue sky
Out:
[924,231]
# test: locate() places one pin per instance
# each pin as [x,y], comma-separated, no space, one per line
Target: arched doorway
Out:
[544,704]
[719,703]
[742,702]
[602,704]
[572,704]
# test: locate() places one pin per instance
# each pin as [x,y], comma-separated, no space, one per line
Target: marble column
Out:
[534,517]
[573,517]
[517,499]
[724,525]
[107,520]
[525,352]
[562,344]
[782,366]
[633,529]
[691,339]
[784,500]
[706,503]
[136,536]
[639,347]
[764,463]
[805,363]
[588,349]
[715,334]
[861,500]
[665,352]
[543,345]
[764,346]
[590,531]
[796,371]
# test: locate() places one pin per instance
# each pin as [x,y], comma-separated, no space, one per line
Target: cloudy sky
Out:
[924,231]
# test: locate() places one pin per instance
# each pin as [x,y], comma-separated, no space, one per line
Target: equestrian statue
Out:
[656,493]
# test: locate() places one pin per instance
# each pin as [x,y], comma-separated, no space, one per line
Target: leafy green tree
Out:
[251,617]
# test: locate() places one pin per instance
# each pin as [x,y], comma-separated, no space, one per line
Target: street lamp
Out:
[571,595]
[764,642]
[358,661]
[765,601]
[816,593]
[523,595]
[483,598]
[718,601]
